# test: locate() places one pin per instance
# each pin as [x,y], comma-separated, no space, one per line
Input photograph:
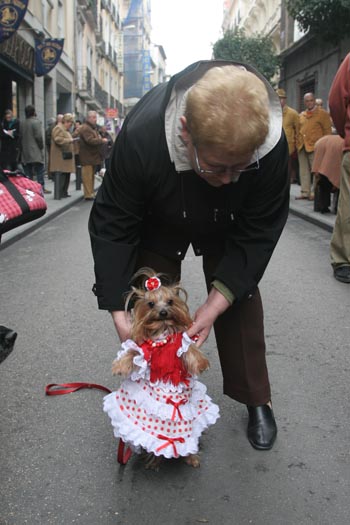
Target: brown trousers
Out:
[88,178]
[239,334]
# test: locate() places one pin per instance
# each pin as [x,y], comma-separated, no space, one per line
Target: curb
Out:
[312,219]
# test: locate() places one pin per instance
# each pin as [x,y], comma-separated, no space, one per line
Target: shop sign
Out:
[11,15]
[19,52]
[111,113]
[47,54]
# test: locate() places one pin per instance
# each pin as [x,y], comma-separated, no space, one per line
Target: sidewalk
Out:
[305,210]
[301,208]
[54,208]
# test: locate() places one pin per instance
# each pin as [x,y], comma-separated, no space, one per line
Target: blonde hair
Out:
[228,108]
[68,117]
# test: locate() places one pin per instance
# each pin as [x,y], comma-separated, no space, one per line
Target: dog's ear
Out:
[181,292]
[134,295]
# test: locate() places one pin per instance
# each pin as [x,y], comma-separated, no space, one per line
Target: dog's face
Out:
[159,311]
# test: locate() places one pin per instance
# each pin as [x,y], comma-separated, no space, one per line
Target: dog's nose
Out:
[163,314]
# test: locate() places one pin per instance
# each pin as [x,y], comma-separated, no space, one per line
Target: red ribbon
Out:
[170,441]
[68,388]
[123,457]
[176,405]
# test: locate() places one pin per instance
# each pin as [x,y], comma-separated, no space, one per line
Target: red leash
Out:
[68,388]
[54,389]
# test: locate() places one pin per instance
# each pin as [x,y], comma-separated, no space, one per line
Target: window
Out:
[306,87]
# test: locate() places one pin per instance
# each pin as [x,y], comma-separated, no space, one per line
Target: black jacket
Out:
[144,202]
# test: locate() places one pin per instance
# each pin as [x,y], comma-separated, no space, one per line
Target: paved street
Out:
[58,463]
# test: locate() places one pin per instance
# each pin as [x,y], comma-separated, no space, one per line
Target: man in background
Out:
[339,97]
[90,153]
[314,124]
[32,143]
[290,125]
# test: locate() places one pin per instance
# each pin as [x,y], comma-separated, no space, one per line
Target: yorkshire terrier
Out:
[160,408]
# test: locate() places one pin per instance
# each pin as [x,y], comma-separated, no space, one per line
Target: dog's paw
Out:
[124,365]
[193,460]
[152,462]
[195,361]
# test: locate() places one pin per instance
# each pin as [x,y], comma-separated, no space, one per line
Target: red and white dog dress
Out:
[160,407]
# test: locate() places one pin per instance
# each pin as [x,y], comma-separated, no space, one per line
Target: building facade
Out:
[54,92]
[307,63]
[107,63]
[254,16]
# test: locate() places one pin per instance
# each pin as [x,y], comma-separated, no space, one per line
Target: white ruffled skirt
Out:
[164,419]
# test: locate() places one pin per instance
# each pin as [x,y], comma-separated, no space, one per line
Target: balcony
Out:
[89,7]
[84,84]
[101,96]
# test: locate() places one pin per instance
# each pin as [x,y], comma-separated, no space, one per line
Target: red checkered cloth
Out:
[21,200]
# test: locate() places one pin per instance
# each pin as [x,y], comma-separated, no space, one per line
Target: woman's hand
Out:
[207,314]
[122,323]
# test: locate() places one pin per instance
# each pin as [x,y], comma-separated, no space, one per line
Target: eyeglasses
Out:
[223,169]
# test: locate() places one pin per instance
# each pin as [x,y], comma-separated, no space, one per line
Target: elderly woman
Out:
[61,153]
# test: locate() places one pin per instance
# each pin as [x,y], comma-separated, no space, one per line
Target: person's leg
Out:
[304,173]
[240,340]
[28,170]
[66,180]
[87,176]
[325,187]
[310,160]
[340,241]
[39,172]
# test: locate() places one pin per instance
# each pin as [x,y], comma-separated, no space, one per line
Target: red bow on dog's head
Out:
[153,283]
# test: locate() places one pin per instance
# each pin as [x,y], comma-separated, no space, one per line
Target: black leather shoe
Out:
[262,428]
[342,274]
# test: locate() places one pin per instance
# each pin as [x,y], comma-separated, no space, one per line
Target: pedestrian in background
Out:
[32,145]
[290,123]
[51,123]
[76,150]
[90,153]
[315,122]
[10,133]
[61,154]
[339,105]
[326,168]
[106,147]
[201,160]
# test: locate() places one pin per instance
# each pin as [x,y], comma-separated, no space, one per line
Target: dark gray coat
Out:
[32,142]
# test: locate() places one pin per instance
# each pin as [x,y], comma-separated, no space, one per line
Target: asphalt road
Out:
[58,454]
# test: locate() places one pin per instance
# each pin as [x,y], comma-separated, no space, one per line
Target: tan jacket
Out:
[61,141]
[313,125]
[291,127]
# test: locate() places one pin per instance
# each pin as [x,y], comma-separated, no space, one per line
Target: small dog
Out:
[7,342]
[161,407]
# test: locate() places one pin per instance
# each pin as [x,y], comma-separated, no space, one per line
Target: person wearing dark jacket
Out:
[9,154]
[201,160]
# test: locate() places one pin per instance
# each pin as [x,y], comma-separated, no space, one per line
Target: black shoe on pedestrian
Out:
[66,195]
[262,428]
[342,274]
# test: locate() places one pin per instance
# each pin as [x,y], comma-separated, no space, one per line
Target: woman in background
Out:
[61,154]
